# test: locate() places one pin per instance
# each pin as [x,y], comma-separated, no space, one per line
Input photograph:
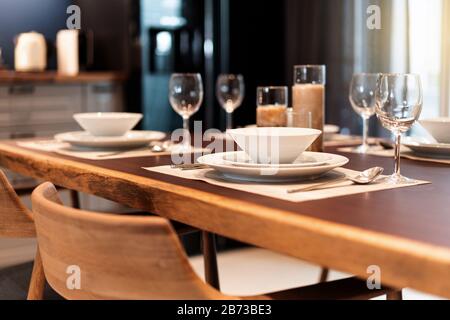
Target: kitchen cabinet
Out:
[42,104]
[104,97]
[28,110]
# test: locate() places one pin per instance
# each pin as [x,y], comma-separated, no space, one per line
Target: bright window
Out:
[415,36]
[425,47]
[425,50]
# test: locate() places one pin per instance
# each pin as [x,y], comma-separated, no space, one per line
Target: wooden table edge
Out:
[403,262]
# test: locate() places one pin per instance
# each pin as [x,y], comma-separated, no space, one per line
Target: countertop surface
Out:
[12,77]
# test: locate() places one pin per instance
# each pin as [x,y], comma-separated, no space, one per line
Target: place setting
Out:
[106,135]
[434,147]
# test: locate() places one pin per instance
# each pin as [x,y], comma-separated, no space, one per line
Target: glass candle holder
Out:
[308,98]
[271,106]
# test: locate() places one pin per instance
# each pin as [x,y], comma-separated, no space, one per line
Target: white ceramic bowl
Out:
[108,124]
[439,128]
[274,145]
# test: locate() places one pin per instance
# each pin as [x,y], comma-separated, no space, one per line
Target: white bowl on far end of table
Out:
[274,145]
[108,124]
[439,128]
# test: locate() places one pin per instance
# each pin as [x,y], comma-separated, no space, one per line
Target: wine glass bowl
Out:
[362,97]
[230,94]
[399,104]
[186,93]
[400,101]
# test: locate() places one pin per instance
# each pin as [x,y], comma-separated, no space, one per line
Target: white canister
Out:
[30,53]
[67,46]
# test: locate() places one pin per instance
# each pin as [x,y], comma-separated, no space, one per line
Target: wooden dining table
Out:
[404,231]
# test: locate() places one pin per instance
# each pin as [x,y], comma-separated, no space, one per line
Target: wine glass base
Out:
[397,179]
[363,149]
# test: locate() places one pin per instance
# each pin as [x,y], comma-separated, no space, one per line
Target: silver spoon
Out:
[161,147]
[158,148]
[366,177]
[120,152]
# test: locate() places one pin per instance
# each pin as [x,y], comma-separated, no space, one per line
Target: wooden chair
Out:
[15,218]
[16,221]
[124,257]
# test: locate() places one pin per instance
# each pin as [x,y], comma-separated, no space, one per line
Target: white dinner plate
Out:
[216,161]
[129,140]
[307,159]
[427,148]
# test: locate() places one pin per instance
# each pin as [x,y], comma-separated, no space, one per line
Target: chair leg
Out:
[324,275]
[37,282]
[394,295]
[210,259]
[75,199]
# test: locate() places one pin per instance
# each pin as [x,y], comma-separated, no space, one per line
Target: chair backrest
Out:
[89,255]
[15,219]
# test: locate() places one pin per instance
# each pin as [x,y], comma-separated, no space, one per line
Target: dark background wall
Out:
[262,40]
[256,49]
[115,24]
[270,37]
[43,16]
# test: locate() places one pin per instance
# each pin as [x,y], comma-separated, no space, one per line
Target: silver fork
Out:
[189,166]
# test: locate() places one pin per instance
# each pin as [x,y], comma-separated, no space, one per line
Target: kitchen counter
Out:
[9,77]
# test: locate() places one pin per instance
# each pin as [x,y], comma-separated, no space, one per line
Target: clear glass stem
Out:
[186,134]
[229,120]
[365,144]
[398,138]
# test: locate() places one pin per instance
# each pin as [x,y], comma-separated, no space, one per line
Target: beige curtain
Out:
[445,76]
[373,47]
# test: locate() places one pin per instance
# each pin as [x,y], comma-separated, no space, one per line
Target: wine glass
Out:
[230,93]
[186,96]
[363,100]
[399,104]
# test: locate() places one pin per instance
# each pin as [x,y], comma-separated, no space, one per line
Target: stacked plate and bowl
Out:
[273,155]
[439,147]
[109,130]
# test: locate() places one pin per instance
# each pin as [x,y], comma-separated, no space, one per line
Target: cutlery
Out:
[161,147]
[189,166]
[366,177]
[156,148]
[116,153]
